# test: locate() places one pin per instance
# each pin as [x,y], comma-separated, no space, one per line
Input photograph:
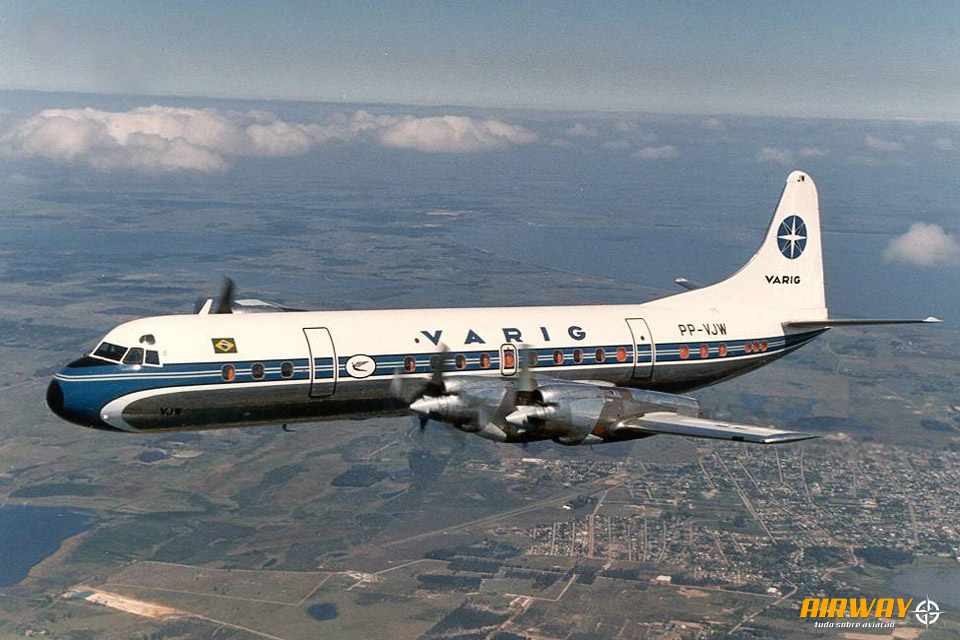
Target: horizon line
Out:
[465,106]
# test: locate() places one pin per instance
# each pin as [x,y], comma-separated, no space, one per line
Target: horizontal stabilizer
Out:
[687,284]
[855,322]
[667,422]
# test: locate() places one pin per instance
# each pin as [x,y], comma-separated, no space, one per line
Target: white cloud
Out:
[944,144]
[715,124]
[662,152]
[167,139]
[580,130]
[924,245]
[879,144]
[812,152]
[773,154]
[454,134]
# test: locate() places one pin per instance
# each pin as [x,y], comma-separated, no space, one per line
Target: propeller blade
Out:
[438,366]
[202,306]
[400,389]
[224,303]
[526,381]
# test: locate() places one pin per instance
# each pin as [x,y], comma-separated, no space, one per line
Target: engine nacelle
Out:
[470,405]
[571,412]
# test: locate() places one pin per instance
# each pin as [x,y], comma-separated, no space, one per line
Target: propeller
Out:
[411,391]
[526,381]
[223,303]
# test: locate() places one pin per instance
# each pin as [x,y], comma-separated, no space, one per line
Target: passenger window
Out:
[704,351]
[286,369]
[485,360]
[600,355]
[109,351]
[684,352]
[461,361]
[409,364]
[577,356]
[509,360]
[152,358]
[228,372]
[257,371]
[134,356]
[558,357]
[621,354]
[532,358]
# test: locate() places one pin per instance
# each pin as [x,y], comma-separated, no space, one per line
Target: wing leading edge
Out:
[667,422]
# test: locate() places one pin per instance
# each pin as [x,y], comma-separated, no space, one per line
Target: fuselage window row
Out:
[722,350]
[257,371]
[557,357]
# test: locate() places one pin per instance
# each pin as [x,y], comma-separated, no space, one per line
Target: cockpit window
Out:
[134,356]
[109,351]
[152,357]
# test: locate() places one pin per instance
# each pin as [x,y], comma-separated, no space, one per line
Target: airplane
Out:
[576,375]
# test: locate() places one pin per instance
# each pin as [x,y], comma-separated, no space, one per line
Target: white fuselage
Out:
[226,370]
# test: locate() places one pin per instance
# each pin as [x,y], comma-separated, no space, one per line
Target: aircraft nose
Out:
[55,399]
[81,415]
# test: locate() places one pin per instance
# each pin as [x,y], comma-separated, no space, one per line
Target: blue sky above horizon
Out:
[815,59]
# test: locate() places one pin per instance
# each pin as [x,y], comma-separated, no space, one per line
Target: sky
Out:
[809,59]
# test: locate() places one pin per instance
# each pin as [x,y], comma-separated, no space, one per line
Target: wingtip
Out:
[933,319]
[790,437]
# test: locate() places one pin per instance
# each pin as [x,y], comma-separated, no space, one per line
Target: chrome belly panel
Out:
[252,405]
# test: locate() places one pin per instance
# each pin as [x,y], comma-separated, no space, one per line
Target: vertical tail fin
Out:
[786,272]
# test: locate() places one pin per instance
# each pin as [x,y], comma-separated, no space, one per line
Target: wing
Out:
[667,422]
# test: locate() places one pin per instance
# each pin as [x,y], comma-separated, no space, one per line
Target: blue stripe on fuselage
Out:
[127,378]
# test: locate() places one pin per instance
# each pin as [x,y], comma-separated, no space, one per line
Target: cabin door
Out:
[323,362]
[644,351]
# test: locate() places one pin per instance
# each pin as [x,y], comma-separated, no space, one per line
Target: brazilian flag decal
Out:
[224,345]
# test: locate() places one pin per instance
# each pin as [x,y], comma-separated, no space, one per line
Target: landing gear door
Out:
[644,352]
[323,362]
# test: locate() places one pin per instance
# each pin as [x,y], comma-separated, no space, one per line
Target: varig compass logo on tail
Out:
[792,237]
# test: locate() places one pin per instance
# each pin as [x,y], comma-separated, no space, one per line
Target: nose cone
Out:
[75,414]
[55,399]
